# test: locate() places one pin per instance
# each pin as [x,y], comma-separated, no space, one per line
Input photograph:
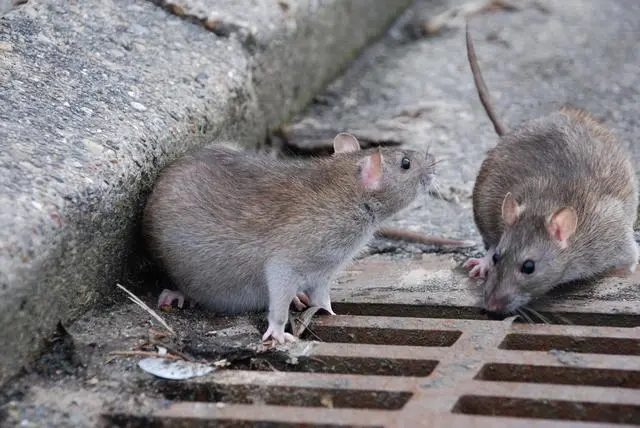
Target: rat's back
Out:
[565,158]
[216,217]
[204,223]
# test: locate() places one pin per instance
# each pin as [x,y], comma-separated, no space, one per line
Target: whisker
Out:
[535,314]
[563,319]
[434,163]
[538,314]
[435,186]
[524,315]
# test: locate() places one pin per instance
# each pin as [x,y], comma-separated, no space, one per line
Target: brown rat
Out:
[555,201]
[241,231]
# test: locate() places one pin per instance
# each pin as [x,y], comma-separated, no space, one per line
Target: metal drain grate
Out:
[388,366]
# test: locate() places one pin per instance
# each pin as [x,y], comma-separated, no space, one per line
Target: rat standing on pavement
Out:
[555,201]
[241,232]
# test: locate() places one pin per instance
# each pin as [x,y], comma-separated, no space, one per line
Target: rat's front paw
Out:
[480,267]
[278,334]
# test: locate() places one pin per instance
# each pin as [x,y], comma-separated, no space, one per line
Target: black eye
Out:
[495,258]
[528,267]
[406,163]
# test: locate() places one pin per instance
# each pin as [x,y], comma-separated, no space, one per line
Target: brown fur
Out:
[564,160]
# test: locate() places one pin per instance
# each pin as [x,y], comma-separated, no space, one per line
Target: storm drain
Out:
[403,365]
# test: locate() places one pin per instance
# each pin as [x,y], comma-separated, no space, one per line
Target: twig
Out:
[150,311]
[145,354]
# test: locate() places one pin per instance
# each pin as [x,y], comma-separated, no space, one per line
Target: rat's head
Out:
[530,258]
[395,177]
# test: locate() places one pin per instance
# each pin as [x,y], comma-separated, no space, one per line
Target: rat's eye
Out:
[528,267]
[495,258]
[405,163]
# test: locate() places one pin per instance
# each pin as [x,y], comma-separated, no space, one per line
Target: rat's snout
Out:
[497,302]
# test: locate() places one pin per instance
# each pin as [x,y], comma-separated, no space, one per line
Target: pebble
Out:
[137,106]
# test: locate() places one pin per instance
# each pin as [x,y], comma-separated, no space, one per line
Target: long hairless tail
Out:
[481,87]
[411,236]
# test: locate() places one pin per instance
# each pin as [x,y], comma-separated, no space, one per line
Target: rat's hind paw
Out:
[480,267]
[300,301]
[278,335]
[167,297]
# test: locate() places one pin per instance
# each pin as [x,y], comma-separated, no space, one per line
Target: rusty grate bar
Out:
[373,369]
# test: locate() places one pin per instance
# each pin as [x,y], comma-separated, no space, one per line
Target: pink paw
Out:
[278,335]
[480,267]
[167,297]
[300,301]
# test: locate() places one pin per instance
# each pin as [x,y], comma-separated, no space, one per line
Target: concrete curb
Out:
[99,95]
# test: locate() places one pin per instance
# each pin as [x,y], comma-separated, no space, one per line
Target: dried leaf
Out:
[175,370]
[300,322]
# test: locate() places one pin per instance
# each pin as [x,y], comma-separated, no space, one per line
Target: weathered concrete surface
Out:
[98,95]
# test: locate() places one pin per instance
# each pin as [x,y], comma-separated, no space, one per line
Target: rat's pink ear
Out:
[510,209]
[345,143]
[371,171]
[562,224]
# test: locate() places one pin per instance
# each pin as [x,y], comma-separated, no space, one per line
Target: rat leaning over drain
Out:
[555,201]
[240,231]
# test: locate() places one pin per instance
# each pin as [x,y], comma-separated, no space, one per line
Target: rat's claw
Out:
[480,267]
[478,272]
[298,304]
[167,297]
[471,262]
[301,301]
[278,335]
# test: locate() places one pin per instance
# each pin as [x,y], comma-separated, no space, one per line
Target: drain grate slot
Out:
[342,365]
[474,313]
[410,311]
[559,375]
[547,409]
[591,345]
[382,336]
[283,395]
[129,421]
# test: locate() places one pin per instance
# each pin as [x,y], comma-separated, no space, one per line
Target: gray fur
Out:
[564,160]
[239,231]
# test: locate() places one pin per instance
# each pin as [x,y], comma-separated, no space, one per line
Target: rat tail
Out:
[481,87]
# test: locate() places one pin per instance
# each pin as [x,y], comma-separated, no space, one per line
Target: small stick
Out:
[145,354]
[135,299]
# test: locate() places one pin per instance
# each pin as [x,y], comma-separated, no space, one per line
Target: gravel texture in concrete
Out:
[98,95]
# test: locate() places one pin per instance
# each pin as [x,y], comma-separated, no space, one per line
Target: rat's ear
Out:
[510,209]
[562,224]
[371,171]
[345,143]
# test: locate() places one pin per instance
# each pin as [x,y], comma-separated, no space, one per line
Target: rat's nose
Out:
[495,303]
